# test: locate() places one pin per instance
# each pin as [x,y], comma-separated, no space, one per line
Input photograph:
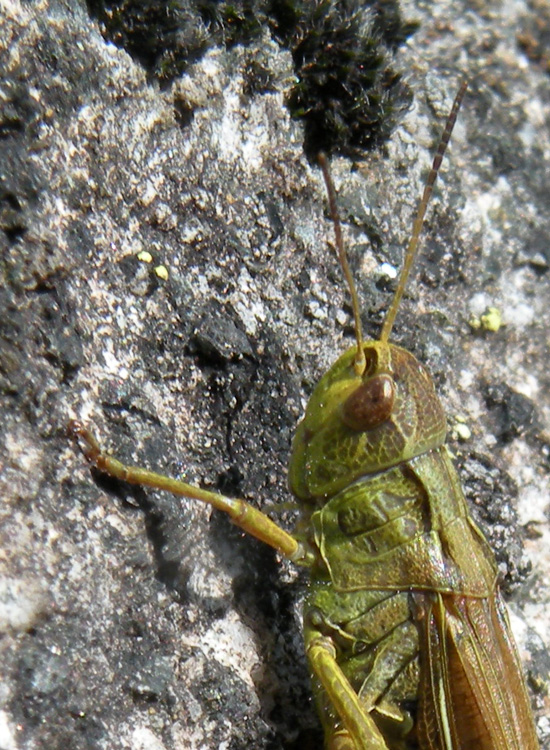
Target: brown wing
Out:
[472,693]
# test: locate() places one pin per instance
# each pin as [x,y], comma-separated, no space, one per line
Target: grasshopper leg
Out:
[359,731]
[243,515]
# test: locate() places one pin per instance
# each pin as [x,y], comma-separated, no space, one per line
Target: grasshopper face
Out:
[361,424]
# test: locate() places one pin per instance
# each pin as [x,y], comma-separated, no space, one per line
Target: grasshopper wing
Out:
[472,693]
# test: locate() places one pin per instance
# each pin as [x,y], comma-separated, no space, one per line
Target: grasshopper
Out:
[405,630]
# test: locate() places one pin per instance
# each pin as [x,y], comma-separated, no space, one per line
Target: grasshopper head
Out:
[377,405]
[356,425]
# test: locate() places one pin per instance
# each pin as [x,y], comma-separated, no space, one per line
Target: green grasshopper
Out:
[405,630]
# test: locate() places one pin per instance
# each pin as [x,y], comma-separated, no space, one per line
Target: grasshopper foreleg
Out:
[359,730]
[243,515]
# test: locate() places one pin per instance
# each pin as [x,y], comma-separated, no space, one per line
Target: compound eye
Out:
[370,404]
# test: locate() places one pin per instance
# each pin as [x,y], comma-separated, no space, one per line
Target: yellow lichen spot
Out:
[162,272]
[491,320]
[145,256]
[474,323]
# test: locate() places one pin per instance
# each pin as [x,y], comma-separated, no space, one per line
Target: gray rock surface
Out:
[131,619]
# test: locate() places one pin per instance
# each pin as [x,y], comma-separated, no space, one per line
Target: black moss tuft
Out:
[163,37]
[347,93]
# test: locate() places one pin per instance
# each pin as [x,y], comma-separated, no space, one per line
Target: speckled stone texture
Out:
[165,278]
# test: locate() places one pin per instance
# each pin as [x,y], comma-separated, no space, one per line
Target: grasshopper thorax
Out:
[357,425]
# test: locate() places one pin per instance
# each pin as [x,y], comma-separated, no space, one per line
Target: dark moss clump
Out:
[348,94]
[165,37]
[161,36]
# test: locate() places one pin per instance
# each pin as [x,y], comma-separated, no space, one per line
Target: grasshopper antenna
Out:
[419,220]
[360,361]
